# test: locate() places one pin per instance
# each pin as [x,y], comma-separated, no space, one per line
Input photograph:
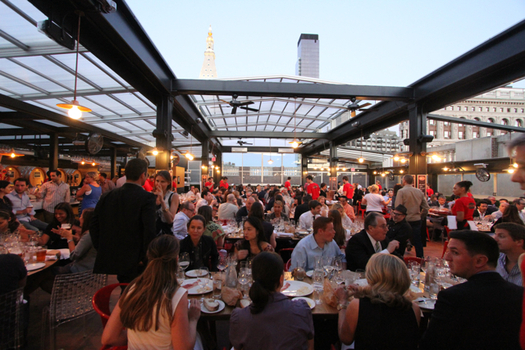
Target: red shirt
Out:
[224,185]
[313,190]
[209,185]
[148,185]
[467,205]
[430,191]
[288,185]
[349,189]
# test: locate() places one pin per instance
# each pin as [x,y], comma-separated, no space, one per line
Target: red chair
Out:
[360,210]
[286,253]
[287,265]
[101,301]
[446,242]
[408,259]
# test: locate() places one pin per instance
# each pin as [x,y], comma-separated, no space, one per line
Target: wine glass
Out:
[339,277]
[328,264]
[180,276]
[243,279]
[222,263]
[184,261]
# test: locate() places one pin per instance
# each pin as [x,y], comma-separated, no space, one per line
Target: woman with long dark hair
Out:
[272,321]
[381,316]
[340,232]
[511,214]
[52,236]
[254,241]
[153,309]
[167,202]
[257,211]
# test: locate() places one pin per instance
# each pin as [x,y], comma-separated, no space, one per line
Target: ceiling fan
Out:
[355,106]
[241,143]
[237,104]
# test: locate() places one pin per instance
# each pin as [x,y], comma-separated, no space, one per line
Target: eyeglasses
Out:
[397,214]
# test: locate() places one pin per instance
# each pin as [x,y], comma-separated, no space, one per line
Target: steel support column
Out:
[217,174]
[417,128]
[304,170]
[113,160]
[205,166]
[333,166]
[163,133]
[53,151]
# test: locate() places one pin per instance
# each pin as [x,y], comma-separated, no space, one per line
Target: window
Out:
[446,134]
[461,135]
[432,122]
[518,123]
[504,122]
[432,132]
[475,134]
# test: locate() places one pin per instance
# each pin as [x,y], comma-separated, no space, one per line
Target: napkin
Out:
[473,225]
[64,254]
[284,234]
[51,257]
[452,223]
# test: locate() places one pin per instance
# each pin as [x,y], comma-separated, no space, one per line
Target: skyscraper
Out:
[208,70]
[308,56]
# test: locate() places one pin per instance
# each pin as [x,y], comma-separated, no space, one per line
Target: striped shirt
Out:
[514,276]
[53,194]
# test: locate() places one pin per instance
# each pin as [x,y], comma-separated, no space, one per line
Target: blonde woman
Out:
[89,193]
[347,222]
[381,316]
[374,201]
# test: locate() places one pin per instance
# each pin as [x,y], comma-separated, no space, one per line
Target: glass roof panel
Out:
[48,122]
[127,126]
[50,69]
[7,126]
[16,87]
[28,76]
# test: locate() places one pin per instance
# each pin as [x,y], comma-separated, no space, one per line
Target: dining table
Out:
[51,260]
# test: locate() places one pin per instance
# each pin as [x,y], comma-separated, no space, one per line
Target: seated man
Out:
[228,210]
[442,201]
[492,206]
[372,239]
[482,313]
[243,212]
[180,222]
[302,208]
[481,211]
[207,199]
[511,242]
[307,219]
[399,229]
[320,243]
[22,207]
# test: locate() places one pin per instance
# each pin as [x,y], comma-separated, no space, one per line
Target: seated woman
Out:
[202,249]
[278,213]
[324,207]
[381,316]
[345,220]
[511,214]
[257,211]
[272,321]
[340,232]
[254,241]
[153,311]
[213,229]
[52,236]
[83,255]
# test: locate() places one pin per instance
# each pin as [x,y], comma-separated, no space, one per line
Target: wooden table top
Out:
[48,263]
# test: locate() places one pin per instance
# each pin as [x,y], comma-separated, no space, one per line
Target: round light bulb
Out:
[270,161]
[511,171]
[93,163]
[13,155]
[82,162]
[515,165]
[403,160]
[436,158]
[190,156]
[383,174]
[344,169]
[361,160]
[295,144]
[74,113]
[445,168]
[401,171]
[155,152]
[396,158]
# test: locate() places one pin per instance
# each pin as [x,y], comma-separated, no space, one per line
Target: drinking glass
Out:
[217,287]
[180,276]
[222,263]
[184,261]
[328,264]
[318,278]
[339,277]
[243,281]
[318,263]
[300,273]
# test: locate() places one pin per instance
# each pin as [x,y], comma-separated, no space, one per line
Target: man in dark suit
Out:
[399,229]
[482,313]
[123,225]
[482,209]
[302,208]
[369,241]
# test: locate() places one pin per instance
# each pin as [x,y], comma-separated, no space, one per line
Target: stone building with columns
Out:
[504,106]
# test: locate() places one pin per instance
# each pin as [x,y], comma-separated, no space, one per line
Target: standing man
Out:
[209,184]
[313,188]
[511,243]
[123,225]
[53,192]
[22,207]
[224,184]
[482,313]
[348,190]
[415,202]
[288,184]
[105,185]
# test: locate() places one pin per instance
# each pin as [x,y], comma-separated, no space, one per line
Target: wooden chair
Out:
[446,242]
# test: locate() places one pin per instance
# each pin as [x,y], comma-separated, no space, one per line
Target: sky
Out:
[393,43]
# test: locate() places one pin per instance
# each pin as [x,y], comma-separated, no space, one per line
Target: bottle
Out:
[430,275]
[231,277]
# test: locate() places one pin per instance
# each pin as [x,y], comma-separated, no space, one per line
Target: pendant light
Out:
[74,108]
[188,154]
[361,159]
[270,161]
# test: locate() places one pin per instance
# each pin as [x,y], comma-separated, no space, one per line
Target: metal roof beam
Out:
[256,88]
[37,51]
[266,134]
[82,93]
[472,122]
[257,114]
[285,100]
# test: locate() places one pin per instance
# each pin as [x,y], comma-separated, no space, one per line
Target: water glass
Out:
[318,292]
[339,277]
[318,278]
[180,276]
[433,290]
[184,261]
[300,272]
[217,287]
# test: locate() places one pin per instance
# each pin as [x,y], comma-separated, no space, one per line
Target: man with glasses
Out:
[371,240]
[399,229]
[180,222]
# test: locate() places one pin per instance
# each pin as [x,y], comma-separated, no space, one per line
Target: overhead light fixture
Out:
[361,160]
[10,153]
[74,108]
[344,169]
[445,168]
[396,158]
[515,165]
[375,172]
[83,162]
[383,174]
[188,154]
[401,171]
[511,170]
[270,161]
[155,152]
[403,160]
[93,163]
[436,158]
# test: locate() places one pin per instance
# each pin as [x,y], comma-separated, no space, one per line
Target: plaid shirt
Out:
[53,194]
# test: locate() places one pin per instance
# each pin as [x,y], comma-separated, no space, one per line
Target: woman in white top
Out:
[153,312]
[324,207]
[374,201]
[346,221]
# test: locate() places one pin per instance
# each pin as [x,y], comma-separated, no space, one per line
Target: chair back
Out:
[408,259]
[101,301]
[286,253]
[287,265]
[11,319]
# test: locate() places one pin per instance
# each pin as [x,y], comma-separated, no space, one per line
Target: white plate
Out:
[35,266]
[311,273]
[296,289]
[426,303]
[197,286]
[309,301]
[196,273]
[363,282]
[206,311]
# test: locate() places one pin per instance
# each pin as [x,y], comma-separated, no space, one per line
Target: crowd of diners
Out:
[137,227]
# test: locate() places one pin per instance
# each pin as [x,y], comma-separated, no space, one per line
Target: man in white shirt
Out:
[180,222]
[207,199]
[306,220]
[520,204]
[53,192]
[22,207]
[121,181]
[228,210]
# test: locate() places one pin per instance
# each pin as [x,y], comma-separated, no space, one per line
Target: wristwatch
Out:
[70,240]
[166,209]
